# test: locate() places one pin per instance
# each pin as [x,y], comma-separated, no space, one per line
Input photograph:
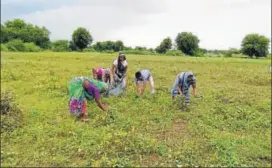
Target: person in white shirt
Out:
[119,70]
[141,78]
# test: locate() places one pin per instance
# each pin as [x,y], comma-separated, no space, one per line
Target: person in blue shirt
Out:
[182,85]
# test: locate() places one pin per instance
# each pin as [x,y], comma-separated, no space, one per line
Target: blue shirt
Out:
[179,81]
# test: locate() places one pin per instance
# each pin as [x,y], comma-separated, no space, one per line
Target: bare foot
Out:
[84,119]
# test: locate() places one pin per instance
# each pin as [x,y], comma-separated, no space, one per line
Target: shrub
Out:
[4,47]
[199,53]
[16,45]
[140,52]
[60,46]
[108,51]
[31,47]
[11,115]
[89,50]
[174,53]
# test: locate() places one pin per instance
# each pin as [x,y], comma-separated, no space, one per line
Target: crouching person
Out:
[82,89]
[182,85]
[103,75]
[141,78]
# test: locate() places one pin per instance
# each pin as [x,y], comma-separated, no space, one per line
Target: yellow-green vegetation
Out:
[229,126]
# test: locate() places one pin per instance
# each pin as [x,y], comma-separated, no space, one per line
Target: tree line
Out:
[17,35]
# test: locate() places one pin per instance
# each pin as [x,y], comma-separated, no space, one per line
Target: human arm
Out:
[95,93]
[178,84]
[179,88]
[194,90]
[101,105]
[126,68]
[140,89]
[94,73]
[138,86]
[113,68]
[111,77]
[143,88]
[126,77]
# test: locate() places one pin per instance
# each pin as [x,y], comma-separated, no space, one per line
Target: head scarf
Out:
[99,72]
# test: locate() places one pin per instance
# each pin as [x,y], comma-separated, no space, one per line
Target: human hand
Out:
[105,108]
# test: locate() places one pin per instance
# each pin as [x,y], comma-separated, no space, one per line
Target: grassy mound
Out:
[11,114]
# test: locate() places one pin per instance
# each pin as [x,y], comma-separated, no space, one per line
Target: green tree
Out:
[165,45]
[119,46]
[109,46]
[255,45]
[19,29]
[82,38]
[72,46]
[140,48]
[5,34]
[187,43]
[98,46]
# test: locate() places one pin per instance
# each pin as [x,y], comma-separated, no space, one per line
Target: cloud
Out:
[102,18]
[218,23]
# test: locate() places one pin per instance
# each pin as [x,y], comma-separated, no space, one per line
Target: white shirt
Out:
[145,74]
[124,63]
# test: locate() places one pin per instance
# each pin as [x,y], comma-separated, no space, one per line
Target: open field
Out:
[230,126]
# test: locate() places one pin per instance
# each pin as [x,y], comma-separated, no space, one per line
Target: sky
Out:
[219,24]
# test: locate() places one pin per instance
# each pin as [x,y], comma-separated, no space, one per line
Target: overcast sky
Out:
[219,24]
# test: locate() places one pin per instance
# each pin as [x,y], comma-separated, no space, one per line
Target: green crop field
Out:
[229,126]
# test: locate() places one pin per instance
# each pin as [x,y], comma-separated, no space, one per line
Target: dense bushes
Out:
[19,45]
[26,32]
[19,36]
[108,46]
[174,53]
[31,47]
[16,45]
[4,47]
[140,52]
[60,46]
